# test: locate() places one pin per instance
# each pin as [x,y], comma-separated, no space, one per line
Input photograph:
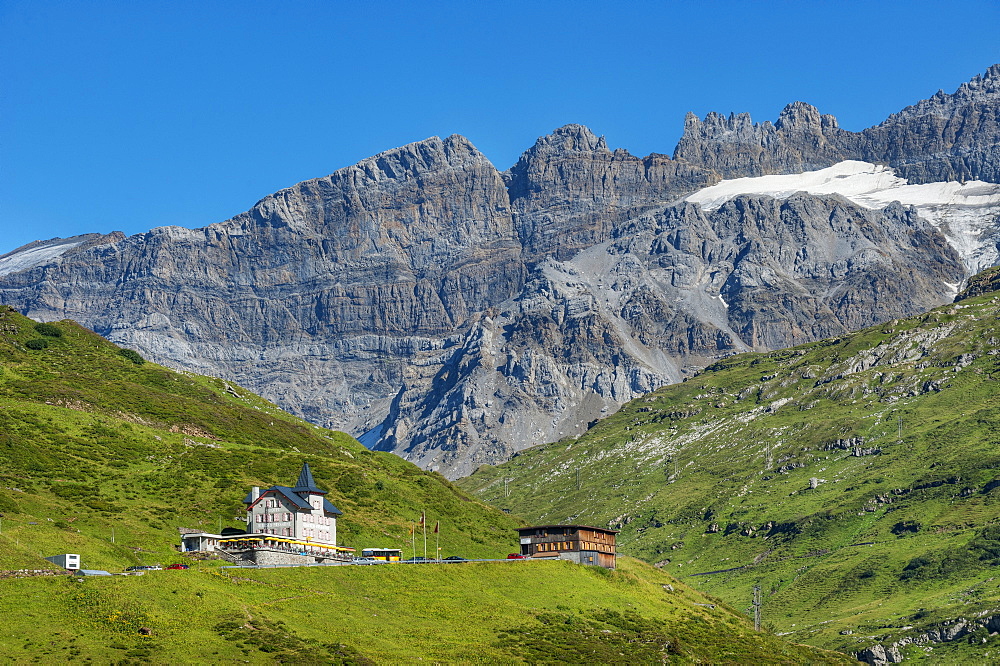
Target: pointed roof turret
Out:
[306,483]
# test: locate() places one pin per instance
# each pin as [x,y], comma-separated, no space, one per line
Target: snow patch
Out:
[968,214]
[23,259]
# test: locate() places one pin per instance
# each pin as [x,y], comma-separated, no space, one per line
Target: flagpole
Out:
[437,539]
[423,519]
[413,540]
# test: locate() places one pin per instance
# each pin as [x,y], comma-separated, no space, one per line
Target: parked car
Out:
[154,567]
[418,559]
[367,560]
[455,558]
[137,567]
[177,566]
[515,556]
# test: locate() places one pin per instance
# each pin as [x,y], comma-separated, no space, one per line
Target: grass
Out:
[510,612]
[105,455]
[779,465]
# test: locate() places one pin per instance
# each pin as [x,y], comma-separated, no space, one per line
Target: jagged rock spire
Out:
[306,481]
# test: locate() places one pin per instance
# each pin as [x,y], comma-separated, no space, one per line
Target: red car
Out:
[178,566]
[515,556]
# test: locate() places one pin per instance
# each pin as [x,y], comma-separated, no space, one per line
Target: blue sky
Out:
[131,115]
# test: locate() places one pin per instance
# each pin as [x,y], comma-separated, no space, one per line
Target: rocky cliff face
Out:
[674,291]
[457,314]
[569,191]
[320,296]
[800,140]
[946,137]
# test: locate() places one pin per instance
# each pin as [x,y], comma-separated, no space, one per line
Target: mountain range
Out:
[454,314]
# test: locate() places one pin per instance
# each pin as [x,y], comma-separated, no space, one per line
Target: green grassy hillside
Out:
[857,480]
[510,612]
[105,455]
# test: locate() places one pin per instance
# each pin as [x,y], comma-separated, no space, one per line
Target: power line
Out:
[756,607]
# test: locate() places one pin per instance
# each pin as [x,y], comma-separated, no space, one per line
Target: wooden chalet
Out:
[582,544]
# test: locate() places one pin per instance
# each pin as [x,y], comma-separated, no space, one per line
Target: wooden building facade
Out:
[582,544]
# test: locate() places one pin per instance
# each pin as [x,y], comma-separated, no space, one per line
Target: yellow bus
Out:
[383,554]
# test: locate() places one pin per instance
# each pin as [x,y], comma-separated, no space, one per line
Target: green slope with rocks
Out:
[94,438]
[855,480]
[106,455]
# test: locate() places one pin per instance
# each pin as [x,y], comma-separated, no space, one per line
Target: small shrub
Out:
[986,545]
[50,330]
[8,505]
[906,527]
[936,566]
[132,355]
[37,343]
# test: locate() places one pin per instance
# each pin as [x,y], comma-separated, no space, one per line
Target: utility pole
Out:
[577,478]
[756,607]
[899,420]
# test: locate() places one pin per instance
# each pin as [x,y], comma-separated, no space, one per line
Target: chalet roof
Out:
[562,527]
[296,500]
[306,483]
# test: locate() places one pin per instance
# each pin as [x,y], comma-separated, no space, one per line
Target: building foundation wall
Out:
[265,556]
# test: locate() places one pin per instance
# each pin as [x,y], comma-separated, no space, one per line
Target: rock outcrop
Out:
[946,137]
[455,314]
[800,140]
[569,191]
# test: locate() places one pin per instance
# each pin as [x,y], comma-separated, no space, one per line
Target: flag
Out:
[436,526]
[423,519]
